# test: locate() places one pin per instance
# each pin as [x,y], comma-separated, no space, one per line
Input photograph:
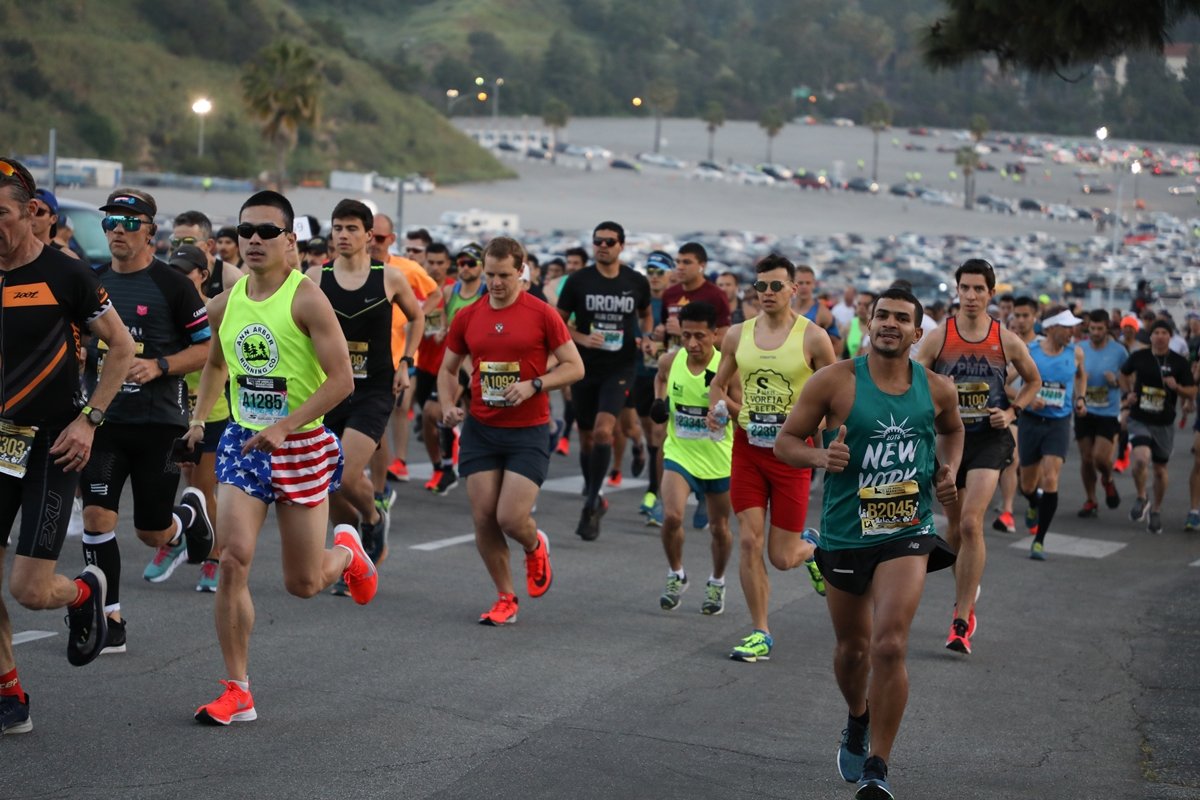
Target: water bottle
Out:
[721,412]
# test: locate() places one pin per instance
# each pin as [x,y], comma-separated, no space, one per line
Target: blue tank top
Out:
[1103,400]
[811,316]
[1058,381]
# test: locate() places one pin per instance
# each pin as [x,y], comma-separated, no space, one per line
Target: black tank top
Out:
[366,317]
[216,279]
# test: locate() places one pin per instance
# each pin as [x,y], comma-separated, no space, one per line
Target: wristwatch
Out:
[537,385]
[93,415]
[407,360]
[163,365]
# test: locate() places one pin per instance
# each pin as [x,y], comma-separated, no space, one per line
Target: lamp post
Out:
[452,97]
[496,84]
[201,108]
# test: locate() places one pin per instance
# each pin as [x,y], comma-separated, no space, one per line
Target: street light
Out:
[201,108]
[1136,169]
[496,84]
[451,98]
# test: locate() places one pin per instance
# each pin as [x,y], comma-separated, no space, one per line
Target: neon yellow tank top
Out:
[220,409]
[273,367]
[771,381]
[689,441]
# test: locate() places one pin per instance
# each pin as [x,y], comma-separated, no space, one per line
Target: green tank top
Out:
[689,441]
[273,367]
[854,337]
[220,409]
[771,381]
[457,302]
[886,491]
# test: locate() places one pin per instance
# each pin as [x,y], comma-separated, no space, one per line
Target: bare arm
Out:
[719,388]
[216,371]
[1080,380]
[447,383]
[819,347]
[402,295]
[816,403]
[931,345]
[1018,355]
[947,422]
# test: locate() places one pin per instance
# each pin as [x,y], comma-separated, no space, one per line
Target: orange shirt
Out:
[421,285]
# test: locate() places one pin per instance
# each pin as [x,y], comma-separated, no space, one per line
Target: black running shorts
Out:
[603,393]
[852,570]
[366,411]
[141,454]
[987,449]
[1094,426]
[43,497]
[485,448]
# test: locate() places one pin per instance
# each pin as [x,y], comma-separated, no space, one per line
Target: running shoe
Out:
[447,482]
[589,521]
[873,784]
[398,471]
[208,577]
[384,501]
[234,705]
[958,640]
[1122,463]
[648,501]
[815,577]
[1193,521]
[673,595]
[115,643]
[556,434]
[714,599]
[75,526]
[700,518]
[755,647]
[1031,520]
[87,623]
[1111,497]
[504,612]
[563,448]
[970,617]
[655,518]
[165,560]
[1090,510]
[1038,551]
[1005,523]
[852,752]
[14,715]
[639,461]
[434,480]
[361,577]
[614,478]
[1155,524]
[198,535]
[538,574]
[1141,507]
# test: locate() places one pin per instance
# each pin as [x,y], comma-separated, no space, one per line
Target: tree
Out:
[555,114]
[714,117]
[967,159]
[282,88]
[879,117]
[771,121]
[662,95]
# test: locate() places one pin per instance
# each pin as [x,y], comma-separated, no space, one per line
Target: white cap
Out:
[1064,318]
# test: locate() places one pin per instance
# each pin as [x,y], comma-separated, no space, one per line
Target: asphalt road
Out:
[1083,683]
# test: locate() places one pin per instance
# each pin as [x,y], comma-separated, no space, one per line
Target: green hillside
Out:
[118,81]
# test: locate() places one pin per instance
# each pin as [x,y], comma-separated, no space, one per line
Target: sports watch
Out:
[93,415]
[537,385]
[163,365]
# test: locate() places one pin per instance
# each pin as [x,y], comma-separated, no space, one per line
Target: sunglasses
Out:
[467,262]
[130,224]
[599,241]
[42,211]
[408,249]
[380,238]
[654,271]
[177,241]
[774,286]
[265,231]
[9,171]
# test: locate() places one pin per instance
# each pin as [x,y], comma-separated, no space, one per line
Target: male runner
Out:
[363,293]
[856,339]
[1022,316]
[505,449]
[1045,426]
[279,342]
[1097,429]
[47,299]
[169,325]
[811,308]
[439,440]
[975,350]
[658,266]
[574,259]
[1153,379]
[774,354]
[227,247]
[727,282]
[611,304]
[195,228]
[889,423]
[695,459]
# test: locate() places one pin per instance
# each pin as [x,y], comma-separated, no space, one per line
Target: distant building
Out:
[1176,56]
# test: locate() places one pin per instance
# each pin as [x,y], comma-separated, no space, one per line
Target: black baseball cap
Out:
[188,257]
[124,200]
[316,244]
[228,232]
[471,250]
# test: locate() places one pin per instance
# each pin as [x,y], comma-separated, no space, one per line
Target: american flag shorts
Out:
[303,471]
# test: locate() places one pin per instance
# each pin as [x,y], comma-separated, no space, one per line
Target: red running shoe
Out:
[1004,523]
[434,480]
[1112,497]
[234,705]
[563,448]
[398,471]
[503,613]
[614,478]
[958,640]
[361,577]
[538,574]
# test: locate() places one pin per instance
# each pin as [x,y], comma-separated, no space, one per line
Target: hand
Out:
[649,346]
[1110,378]
[451,415]
[837,454]
[1037,403]
[672,327]
[943,486]
[519,392]
[1171,383]
[1080,407]
[1001,417]
[268,440]
[595,340]
[74,445]
[402,381]
[194,435]
[143,370]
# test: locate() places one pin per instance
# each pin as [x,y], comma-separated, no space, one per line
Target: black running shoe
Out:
[199,534]
[373,539]
[873,785]
[589,521]
[449,481]
[639,461]
[88,625]
[14,715]
[116,638]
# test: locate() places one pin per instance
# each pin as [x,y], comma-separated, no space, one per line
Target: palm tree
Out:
[772,122]
[282,87]
[714,117]
[662,96]
[555,114]
[879,117]
[968,159]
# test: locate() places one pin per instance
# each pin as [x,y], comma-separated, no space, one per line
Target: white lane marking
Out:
[438,544]
[1060,544]
[573,484]
[1195,563]
[31,636]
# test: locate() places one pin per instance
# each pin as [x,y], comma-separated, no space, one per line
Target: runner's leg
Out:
[239,520]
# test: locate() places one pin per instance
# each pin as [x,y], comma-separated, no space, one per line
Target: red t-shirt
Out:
[431,349]
[675,298]
[507,345]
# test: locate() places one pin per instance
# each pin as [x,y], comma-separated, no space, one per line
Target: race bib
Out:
[613,336]
[434,323]
[889,508]
[1096,396]
[262,401]
[764,429]
[1152,400]
[16,445]
[973,400]
[495,377]
[127,387]
[358,358]
[691,422]
[1054,395]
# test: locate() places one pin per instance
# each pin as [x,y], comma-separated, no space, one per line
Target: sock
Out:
[652,466]
[10,686]
[680,573]
[862,721]
[243,685]
[1046,509]
[1034,498]
[583,469]
[447,464]
[446,442]
[178,535]
[715,581]
[82,593]
[568,420]
[598,462]
[101,550]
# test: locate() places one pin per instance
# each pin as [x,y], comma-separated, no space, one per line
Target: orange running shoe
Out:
[538,574]
[454,449]
[563,448]
[434,480]
[398,470]
[958,641]
[234,705]
[614,478]
[503,613]
[361,577]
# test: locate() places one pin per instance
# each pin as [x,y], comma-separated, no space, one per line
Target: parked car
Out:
[862,185]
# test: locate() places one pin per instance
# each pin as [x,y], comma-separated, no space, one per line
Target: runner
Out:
[1153,379]
[1097,428]
[1045,425]
[429,362]
[169,324]
[195,228]
[1022,317]
[47,299]
[227,247]
[878,539]
[505,450]
[611,304]
[774,354]
[975,351]
[695,459]
[363,293]
[279,342]
[658,266]
[811,308]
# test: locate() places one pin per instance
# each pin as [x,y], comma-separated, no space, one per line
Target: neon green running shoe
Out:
[676,586]
[648,501]
[811,536]
[714,599]
[755,647]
